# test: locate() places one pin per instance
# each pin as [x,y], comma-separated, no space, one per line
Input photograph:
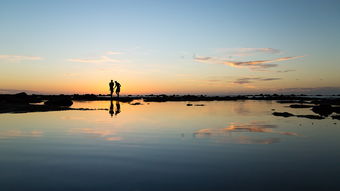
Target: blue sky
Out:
[153,46]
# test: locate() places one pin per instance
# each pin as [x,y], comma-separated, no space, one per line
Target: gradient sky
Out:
[197,47]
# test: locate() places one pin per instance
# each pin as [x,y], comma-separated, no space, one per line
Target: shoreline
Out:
[24,103]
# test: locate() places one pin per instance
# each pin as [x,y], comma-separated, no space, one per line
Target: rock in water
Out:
[300,106]
[136,103]
[323,109]
[336,117]
[63,101]
[311,116]
[283,114]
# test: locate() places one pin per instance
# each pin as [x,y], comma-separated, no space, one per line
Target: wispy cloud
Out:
[105,58]
[19,58]
[254,65]
[265,50]
[239,52]
[99,60]
[113,53]
[251,80]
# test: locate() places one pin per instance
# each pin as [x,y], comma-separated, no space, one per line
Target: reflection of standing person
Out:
[117,108]
[111,85]
[111,109]
[117,88]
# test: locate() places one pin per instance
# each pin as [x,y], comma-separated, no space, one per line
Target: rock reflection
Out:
[225,134]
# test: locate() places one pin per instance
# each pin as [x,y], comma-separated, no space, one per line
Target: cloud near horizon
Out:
[99,60]
[253,65]
[251,80]
[18,58]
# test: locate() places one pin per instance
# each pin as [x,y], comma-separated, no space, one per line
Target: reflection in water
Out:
[111,111]
[100,129]
[117,108]
[107,134]
[254,127]
[241,109]
[251,140]
[149,144]
[228,138]
[19,133]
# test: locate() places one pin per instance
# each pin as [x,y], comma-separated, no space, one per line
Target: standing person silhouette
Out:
[111,85]
[117,88]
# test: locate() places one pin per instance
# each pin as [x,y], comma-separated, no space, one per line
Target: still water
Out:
[232,145]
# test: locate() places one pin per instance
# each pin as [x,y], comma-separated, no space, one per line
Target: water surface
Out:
[231,145]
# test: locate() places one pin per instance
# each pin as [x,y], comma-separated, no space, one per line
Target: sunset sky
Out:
[173,47]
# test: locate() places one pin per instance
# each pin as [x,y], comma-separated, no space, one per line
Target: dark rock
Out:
[189,104]
[21,95]
[329,101]
[84,97]
[336,117]
[300,106]
[323,109]
[93,97]
[292,101]
[20,98]
[283,114]
[59,101]
[199,105]
[124,99]
[25,108]
[336,110]
[136,103]
[310,116]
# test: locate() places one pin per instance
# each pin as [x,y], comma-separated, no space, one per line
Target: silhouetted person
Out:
[117,88]
[117,108]
[111,85]
[111,109]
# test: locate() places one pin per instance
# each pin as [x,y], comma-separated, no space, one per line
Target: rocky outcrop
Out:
[323,110]
[283,114]
[300,106]
[61,101]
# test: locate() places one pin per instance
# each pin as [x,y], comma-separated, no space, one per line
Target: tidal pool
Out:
[223,145]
